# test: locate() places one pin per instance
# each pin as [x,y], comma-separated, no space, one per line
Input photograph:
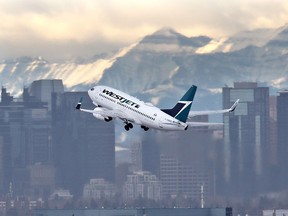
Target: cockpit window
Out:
[92,89]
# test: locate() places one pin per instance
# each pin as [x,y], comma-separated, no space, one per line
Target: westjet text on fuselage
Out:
[120,98]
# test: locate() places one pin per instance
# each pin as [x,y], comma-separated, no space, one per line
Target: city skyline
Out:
[63,30]
[79,167]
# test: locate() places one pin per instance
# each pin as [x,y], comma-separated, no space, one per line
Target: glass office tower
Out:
[246,138]
[282,137]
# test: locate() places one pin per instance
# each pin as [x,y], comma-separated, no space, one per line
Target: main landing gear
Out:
[145,128]
[128,126]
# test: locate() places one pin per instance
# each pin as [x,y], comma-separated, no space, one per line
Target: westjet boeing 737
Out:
[111,103]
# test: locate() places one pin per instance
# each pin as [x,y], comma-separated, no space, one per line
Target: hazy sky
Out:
[62,29]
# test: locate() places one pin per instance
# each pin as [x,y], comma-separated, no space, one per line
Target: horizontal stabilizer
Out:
[199,124]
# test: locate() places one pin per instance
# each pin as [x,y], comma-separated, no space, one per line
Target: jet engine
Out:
[98,116]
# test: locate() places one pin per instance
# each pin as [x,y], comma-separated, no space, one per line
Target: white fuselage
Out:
[139,112]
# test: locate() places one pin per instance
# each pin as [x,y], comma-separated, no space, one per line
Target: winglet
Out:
[79,104]
[232,108]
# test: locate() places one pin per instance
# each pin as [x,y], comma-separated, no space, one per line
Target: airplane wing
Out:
[114,113]
[196,113]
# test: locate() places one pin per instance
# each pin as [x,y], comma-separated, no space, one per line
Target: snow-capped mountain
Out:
[16,73]
[161,66]
[164,64]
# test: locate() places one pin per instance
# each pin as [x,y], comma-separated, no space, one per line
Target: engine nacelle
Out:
[98,116]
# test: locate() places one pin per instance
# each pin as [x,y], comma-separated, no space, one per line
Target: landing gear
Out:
[145,128]
[128,126]
[107,119]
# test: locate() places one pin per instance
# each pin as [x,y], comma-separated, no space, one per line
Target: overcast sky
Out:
[62,29]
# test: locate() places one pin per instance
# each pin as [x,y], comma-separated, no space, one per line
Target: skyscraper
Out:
[84,146]
[151,153]
[178,178]
[246,138]
[1,163]
[182,160]
[42,89]
[25,128]
[282,137]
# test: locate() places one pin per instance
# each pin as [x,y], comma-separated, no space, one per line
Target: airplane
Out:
[111,103]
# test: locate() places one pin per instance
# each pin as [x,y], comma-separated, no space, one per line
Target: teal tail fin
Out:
[181,110]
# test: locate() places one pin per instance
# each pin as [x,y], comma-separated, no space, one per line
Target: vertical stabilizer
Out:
[181,110]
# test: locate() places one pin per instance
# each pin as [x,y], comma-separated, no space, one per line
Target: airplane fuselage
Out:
[141,113]
[111,103]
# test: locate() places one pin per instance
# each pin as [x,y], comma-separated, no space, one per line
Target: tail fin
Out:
[181,110]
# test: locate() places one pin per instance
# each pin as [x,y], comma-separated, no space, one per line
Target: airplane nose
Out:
[91,92]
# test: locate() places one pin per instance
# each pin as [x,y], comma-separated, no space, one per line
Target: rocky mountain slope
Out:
[161,66]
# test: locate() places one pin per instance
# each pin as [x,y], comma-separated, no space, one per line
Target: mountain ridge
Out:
[165,63]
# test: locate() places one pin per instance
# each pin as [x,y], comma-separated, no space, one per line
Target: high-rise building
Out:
[273,131]
[1,162]
[35,181]
[282,136]
[187,180]
[181,160]
[246,138]
[136,156]
[150,153]
[84,146]
[25,128]
[42,89]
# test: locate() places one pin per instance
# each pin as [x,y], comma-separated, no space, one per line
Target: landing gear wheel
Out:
[144,128]
[130,125]
[127,127]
